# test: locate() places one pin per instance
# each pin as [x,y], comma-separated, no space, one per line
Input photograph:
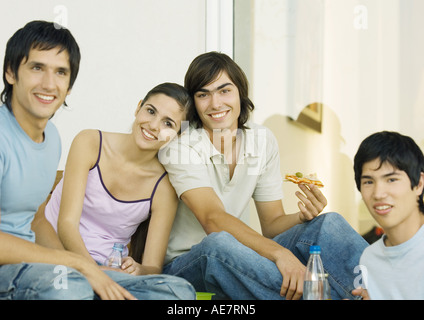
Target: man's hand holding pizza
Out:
[312,200]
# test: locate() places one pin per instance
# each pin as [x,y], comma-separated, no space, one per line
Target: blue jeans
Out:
[37,281]
[222,265]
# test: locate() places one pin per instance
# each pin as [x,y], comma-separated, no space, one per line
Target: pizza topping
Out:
[299,178]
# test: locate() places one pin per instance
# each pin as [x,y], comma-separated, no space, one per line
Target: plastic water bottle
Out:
[114,260]
[314,285]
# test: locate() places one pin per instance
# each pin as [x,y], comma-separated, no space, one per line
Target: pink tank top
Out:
[104,219]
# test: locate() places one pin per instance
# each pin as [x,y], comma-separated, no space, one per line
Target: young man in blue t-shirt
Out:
[41,65]
[389,173]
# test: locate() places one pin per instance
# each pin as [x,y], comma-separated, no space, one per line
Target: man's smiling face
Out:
[42,83]
[218,104]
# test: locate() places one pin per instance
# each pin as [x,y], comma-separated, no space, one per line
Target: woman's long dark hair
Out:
[138,241]
[181,96]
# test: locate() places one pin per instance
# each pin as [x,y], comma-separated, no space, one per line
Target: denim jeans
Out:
[222,265]
[37,281]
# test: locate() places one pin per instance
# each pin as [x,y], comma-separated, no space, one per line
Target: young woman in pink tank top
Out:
[113,184]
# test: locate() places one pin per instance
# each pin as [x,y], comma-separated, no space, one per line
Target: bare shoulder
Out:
[85,146]
[88,136]
[164,189]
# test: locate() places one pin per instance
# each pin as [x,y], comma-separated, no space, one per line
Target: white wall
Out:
[127,47]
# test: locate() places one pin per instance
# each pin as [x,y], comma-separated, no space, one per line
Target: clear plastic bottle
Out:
[314,285]
[114,260]
[327,288]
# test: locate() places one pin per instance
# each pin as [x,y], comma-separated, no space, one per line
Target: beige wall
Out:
[372,80]
[302,149]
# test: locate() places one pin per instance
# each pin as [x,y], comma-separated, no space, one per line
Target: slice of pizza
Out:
[299,178]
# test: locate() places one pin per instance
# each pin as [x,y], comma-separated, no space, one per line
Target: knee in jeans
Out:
[217,241]
[181,288]
[329,217]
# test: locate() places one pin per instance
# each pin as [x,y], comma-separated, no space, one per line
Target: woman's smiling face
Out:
[158,121]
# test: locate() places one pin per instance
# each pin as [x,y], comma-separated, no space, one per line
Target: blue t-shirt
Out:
[27,173]
[395,273]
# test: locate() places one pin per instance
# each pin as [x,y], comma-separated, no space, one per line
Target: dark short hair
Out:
[40,35]
[204,69]
[400,151]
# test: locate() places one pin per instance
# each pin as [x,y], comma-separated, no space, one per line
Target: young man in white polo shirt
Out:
[218,164]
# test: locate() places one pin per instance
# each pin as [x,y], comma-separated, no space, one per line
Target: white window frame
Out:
[220,26]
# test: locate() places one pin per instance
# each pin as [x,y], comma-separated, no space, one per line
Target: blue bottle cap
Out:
[314,249]
[118,246]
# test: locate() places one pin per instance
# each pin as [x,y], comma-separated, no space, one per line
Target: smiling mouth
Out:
[44,98]
[383,209]
[148,134]
[219,115]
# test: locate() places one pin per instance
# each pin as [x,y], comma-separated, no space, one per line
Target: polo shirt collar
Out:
[249,141]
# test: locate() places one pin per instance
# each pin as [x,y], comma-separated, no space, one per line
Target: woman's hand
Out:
[129,265]
[106,288]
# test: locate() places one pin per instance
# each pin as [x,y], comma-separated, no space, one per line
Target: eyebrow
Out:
[156,110]
[394,173]
[41,64]
[218,88]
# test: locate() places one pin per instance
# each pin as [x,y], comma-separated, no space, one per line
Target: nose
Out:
[155,124]
[47,82]
[216,102]
[379,191]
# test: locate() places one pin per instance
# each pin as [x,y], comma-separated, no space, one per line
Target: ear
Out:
[10,77]
[421,182]
[138,107]
[420,185]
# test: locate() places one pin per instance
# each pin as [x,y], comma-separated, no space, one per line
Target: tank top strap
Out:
[154,189]
[100,150]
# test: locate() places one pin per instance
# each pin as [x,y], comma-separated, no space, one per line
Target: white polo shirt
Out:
[193,162]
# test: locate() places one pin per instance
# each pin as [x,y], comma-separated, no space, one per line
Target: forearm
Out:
[281,224]
[145,270]
[245,235]
[72,241]
[14,250]
[45,235]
